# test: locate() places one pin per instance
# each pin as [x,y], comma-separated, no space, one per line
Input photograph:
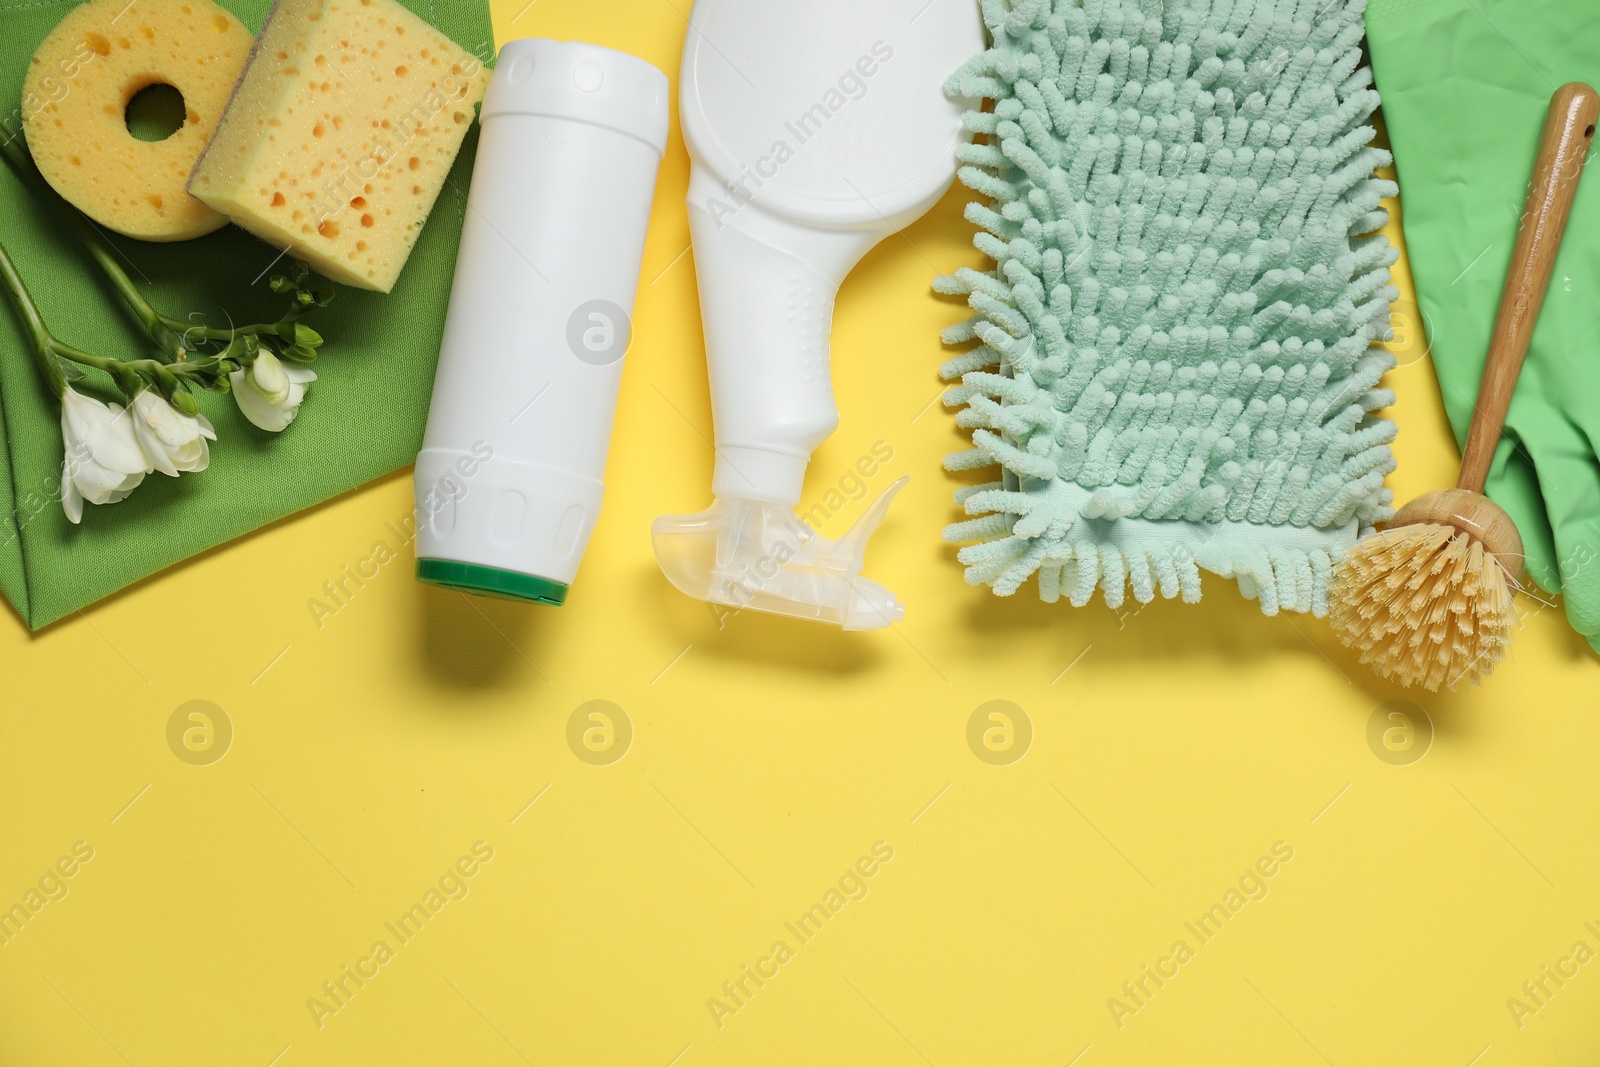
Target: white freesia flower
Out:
[269,392]
[104,460]
[172,440]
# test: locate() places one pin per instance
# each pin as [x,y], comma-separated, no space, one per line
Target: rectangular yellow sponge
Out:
[340,135]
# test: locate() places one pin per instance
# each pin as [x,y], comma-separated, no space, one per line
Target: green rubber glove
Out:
[1465,84]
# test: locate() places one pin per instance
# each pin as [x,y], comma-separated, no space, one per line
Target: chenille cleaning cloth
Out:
[1465,86]
[362,418]
[1176,365]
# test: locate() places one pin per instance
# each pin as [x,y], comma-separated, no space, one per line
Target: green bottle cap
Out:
[490,581]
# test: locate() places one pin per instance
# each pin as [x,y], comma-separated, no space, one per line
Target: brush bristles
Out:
[1424,604]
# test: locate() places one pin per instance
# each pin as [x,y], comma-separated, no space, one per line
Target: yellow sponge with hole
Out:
[340,135]
[75,100]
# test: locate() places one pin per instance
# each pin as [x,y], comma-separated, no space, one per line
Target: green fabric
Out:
[1177,369]
[362,418]
[1465,86]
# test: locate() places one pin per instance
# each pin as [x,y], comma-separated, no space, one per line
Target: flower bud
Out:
[268,378]
[185,402]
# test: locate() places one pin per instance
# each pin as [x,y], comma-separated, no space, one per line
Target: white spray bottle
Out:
[815,130]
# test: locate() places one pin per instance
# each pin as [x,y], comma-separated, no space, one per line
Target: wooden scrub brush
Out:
[1428,600]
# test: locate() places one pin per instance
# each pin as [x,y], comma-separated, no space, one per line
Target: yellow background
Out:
[1171,747]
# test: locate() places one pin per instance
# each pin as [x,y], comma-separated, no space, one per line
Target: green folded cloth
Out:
[1465,86]
[362,418]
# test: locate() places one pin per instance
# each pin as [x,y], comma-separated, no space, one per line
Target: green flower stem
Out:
[87,236]
[43,344]
[115,366]
[49,352]
[154,323]
[189,329]
[173,337]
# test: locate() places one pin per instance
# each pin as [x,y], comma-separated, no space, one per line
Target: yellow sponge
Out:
[341,133]
[75,101]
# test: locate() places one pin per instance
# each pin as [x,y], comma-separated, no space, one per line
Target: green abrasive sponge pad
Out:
[1176,364]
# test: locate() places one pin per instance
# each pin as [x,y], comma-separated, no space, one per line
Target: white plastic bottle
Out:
[509,483]
[815,130]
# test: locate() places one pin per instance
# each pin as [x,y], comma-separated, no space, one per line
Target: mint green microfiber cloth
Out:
[362,418]
[1465,85]
[1177,365]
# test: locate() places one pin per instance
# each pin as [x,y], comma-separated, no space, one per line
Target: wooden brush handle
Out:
[1563,150]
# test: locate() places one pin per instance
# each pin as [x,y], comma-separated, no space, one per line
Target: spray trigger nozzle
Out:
[746,553]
